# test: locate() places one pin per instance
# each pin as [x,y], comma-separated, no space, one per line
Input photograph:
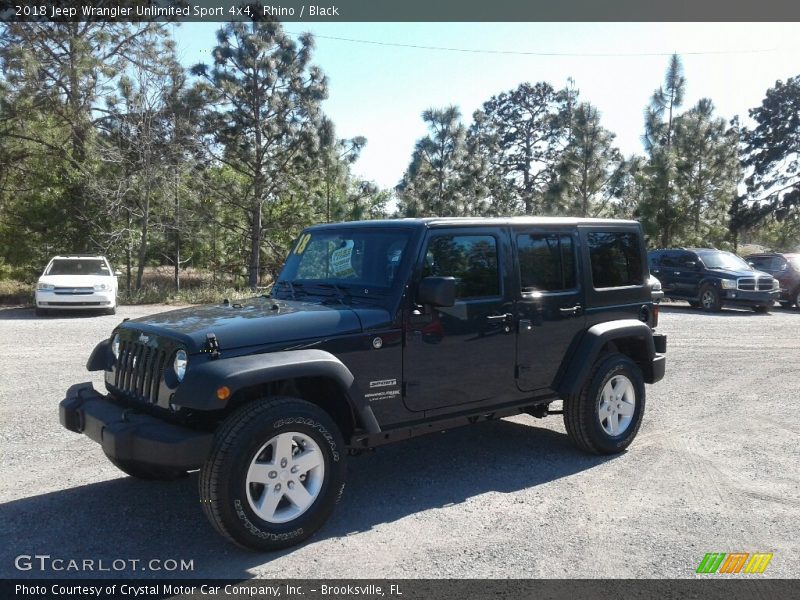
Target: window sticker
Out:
[342,261]
[302,243]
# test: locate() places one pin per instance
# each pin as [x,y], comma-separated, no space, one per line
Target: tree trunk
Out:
[143,242]
[255,246]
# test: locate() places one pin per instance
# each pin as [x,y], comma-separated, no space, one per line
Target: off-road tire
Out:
[715,305]
[581,416]
[147,472]
[223,483]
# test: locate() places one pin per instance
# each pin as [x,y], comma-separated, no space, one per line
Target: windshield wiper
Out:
[294,287]
[341,293]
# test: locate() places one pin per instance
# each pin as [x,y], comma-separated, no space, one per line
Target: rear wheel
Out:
[605,416]
[147,472]
[709,299]
[275,474]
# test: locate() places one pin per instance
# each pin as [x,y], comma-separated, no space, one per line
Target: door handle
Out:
[499,318]
[572,310]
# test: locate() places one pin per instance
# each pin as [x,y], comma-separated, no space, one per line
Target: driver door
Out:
[463,354]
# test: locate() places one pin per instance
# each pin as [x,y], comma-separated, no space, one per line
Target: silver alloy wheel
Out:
[285,477]
[617,405]
[708,299]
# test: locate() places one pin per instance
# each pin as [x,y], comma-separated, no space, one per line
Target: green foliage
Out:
[772,157]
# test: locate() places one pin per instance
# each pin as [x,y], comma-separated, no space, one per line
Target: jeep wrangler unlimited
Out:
[376,332]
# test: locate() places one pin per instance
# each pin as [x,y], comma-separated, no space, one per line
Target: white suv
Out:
[77,282]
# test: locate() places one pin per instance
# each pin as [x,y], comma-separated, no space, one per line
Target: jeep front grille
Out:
[139,371]
[752,284]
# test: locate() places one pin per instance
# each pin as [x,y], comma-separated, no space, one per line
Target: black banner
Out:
[400,11]
[711,588]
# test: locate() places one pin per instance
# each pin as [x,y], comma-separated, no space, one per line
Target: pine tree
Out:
[268,126]
[589,169]
[659,135]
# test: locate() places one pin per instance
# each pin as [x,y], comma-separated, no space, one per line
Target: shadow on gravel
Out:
[126,518]
[725,312]
[28,314]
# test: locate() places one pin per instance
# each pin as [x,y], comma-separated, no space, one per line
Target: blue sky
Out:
[380,91]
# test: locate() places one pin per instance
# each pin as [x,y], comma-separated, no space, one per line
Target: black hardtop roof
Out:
[431,222]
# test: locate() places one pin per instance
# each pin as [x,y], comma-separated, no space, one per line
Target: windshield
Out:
[83,266]
[354,261]
[717,259]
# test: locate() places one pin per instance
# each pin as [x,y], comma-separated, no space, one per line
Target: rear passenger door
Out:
[549,306]
[665,271]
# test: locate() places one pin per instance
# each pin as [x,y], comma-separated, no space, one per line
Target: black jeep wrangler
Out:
[377,332]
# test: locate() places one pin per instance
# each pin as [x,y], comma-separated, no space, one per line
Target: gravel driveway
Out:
[714,469]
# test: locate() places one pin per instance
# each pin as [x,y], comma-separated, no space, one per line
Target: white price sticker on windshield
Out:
[342,261]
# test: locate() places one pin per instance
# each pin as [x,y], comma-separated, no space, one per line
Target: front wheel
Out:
[762,310]
[709,299]
[605,416]
[275,473]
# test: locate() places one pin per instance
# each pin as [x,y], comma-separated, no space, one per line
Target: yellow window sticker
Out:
[302,243]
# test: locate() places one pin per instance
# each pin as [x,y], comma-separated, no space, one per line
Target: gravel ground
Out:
[714,469]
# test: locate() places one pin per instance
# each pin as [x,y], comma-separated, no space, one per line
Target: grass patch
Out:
[16,292]
[204,294]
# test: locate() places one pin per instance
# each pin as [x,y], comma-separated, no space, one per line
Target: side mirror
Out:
[752,265]
[437,291]
[117,273]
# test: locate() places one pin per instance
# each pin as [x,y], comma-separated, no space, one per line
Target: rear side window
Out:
[546,263]
[616,259]
[471,259]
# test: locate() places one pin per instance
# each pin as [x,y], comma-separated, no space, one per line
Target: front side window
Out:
[616,259]
[546,263]
[471,259]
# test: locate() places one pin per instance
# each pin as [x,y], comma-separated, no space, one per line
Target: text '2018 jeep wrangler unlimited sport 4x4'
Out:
[377,332]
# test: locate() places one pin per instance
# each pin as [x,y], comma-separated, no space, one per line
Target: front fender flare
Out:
[198,390]
[574,374]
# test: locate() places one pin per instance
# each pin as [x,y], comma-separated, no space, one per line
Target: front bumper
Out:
[128,435]
[50,299]
[747,298]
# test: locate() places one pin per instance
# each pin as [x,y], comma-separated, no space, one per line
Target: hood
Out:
[76,280]
[254,322]
[734,273]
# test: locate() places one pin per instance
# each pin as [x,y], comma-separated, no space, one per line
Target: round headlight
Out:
[179,366]
[115,345]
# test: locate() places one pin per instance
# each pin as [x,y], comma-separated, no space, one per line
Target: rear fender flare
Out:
[575,373]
